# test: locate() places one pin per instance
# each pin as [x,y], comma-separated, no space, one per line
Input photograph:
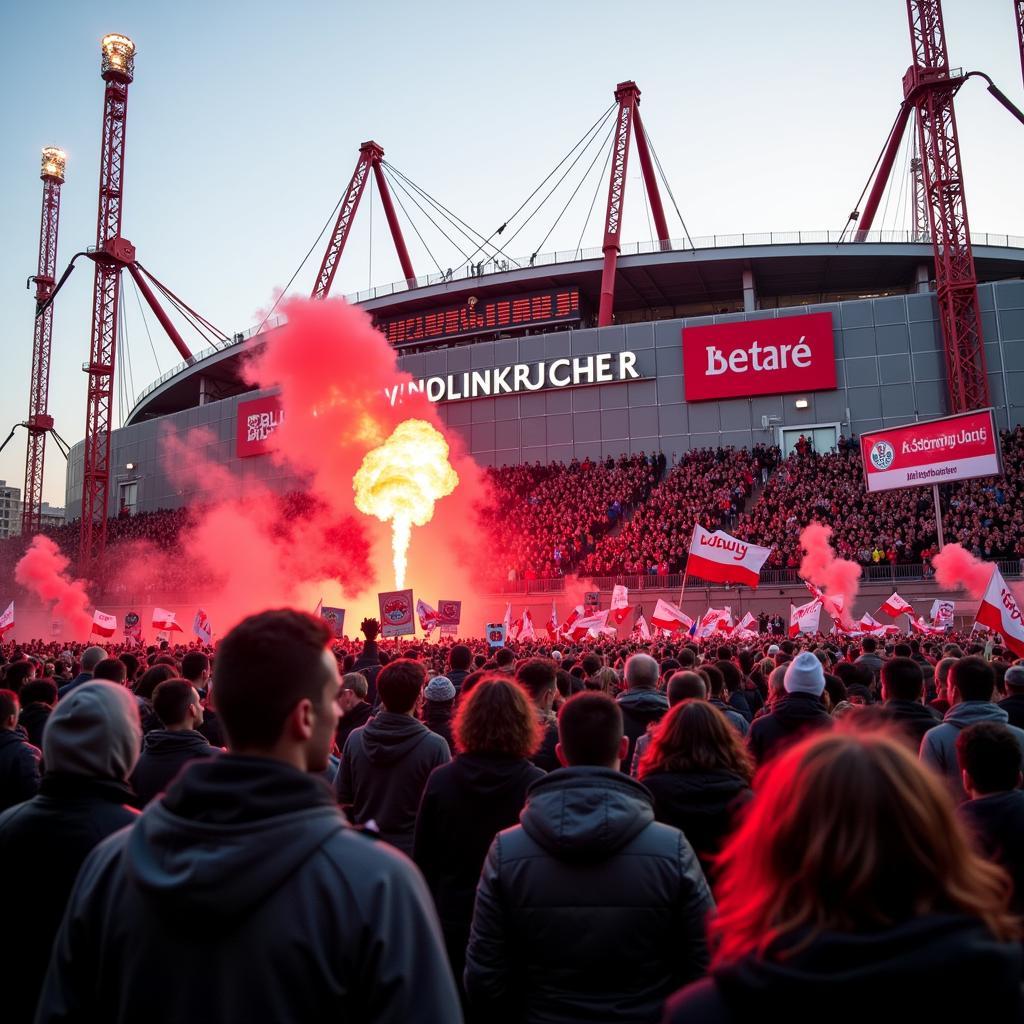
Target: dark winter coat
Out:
[437,717]
[241,896]
[940,967]
[1014,707]
[912,717]
[457,676]
[465,804]
[545,758]
[49,837]
[360,714]
[998,822]
[873,661]
[369,664]
[212,729]
[639,709]
[704,806]
[384,768]
[164,754]
[589,910]
[33,719]
[19,768]
[793,717]
[82,677]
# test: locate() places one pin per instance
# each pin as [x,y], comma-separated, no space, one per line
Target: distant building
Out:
[10,510]
[51,516]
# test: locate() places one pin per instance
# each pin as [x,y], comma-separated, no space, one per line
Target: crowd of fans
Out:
[405,830]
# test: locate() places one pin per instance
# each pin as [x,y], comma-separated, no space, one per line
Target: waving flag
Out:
[553,623]
[592,624]
[507,620]
[999,611]
[641,629]
[163,620]
[715,620]
[806,618]
[743,627]
[527,632]
[721,558]
[202,627]
[103,624]
[7,619]
[668,616]
[868,621]
[428,616]
[833,605]
[895,605]
[620,604]
[942,613]
[573,617]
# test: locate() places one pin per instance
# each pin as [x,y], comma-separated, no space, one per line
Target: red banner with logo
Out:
[257,420]
[396,618]
[936,452]
[759,357]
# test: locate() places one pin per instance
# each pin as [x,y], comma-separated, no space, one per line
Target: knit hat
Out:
[94,731]
[439,688]
[774,649]
[804,674]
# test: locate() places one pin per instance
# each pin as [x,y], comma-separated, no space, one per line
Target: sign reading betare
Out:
[759,357]
[936,452]
[257,421]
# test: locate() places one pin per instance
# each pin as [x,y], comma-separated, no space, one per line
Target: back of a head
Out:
[131,664]
[113,670]
[902,679]
[537,675]
[731,674]
[686,685]
[171,701]
[38,691]
[604,679]
[902,650]
[151,679]
[714,678]
[641,672]
[590,730]
[590,663]
[91,657]
[265,665]
[724,653]
[990,754]
[686,658]
[695,737]
[18,674]
[400,683]
[497,717]
[973,678]
[1014,679]
[505,657]
[460,657]
[93,731]
[193,665]
[869,645]
[9,705]
[849,832]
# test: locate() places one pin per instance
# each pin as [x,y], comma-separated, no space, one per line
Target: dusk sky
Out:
[245,119]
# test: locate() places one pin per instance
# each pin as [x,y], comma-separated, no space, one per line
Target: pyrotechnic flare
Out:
[400,481]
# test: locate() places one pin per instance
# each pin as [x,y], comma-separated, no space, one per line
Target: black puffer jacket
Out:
[639,709]
[793,717]
[933,968]
[244,880]
[587,911]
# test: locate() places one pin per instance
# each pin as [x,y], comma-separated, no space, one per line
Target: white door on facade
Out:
[822,437]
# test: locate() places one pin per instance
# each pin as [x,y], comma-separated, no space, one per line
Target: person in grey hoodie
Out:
[971,683]
[589,909]
[385,764]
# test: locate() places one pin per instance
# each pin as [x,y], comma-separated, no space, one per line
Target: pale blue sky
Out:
[245,119]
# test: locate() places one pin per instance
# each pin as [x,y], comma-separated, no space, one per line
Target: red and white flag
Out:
[553,623]
[999,611]
[806,618]
[507,621]
[720,558]
[104,624]
[7,619]
[620,604]
[573,617]
[918,625]
[163,620]
[527,632]
[202,627]
[592,624]
[744,626]
[895,605]
[834,605]
[641,629]
[942,613]
[668,616]
[868,621]
[715,620]
[428,616]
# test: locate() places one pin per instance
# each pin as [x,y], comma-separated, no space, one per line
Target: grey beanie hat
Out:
[805,674]
[439,688]
[94,731]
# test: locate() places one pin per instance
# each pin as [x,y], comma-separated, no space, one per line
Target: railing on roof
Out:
[488,268]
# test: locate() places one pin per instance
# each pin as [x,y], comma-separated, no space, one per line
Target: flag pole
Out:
[938,516]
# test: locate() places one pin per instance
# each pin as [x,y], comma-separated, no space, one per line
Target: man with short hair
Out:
[539,676]
[356,711]
[195,667]
[505,659]
[641,703]
[902,699]
[870,658]
[460,658]
[588,910]
[989,760]
[682,686]
[167,750]
[37,699]
[111,670]
[971,683]
[1013,703]
[800,710]
[385,763]
[19,759]
[91,657]
[250,847]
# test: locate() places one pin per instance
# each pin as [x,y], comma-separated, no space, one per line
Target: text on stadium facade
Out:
[604,368]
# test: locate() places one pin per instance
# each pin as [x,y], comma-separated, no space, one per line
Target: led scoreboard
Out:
[541,309]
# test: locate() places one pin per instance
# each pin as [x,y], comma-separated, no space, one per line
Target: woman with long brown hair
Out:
[851,892]
[699,773]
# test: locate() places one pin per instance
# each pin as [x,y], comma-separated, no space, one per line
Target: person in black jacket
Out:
[903,700]
[91,744]
[849,889]
[467,802]
[698,771]
[540,678]
[439,707]
[165,751]
[989,758]
[369,662]
[37,699]
[460,658]
[1013,703]
[641,703]
[241,894]
[19,759]
[589,910]
[356,710]
[800,711]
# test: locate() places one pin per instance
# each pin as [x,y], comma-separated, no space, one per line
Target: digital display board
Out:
[562,305]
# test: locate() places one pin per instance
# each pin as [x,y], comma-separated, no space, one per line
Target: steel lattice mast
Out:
[1018,13]
[111,254]
[40,422]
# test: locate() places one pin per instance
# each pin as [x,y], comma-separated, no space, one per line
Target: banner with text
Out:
[396,613]
[257,420]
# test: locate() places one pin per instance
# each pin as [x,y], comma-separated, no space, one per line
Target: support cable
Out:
[399,187]
[145,323]
[417,230]
[668,187]
[593,202]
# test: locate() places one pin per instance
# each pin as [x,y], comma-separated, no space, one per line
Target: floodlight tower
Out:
[112,252]
[40,422]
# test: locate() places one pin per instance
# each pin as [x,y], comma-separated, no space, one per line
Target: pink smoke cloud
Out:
[955,568]
[837,577]
[43,570]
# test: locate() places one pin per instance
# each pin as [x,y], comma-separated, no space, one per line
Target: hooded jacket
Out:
[938,748]
[241,895]
[913,717]
[639,709]
[789,720]
[939,967]
[19,768]
[589,910]
[164,754]
[384,768]
[997,819]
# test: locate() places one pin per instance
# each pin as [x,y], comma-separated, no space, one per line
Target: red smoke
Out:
[837,577]
[43,570]
[956,567]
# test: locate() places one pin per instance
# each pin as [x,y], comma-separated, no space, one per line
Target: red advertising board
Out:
[396,617]
[759,357]
[257,421]
[936,452]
